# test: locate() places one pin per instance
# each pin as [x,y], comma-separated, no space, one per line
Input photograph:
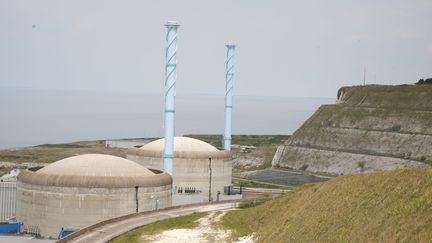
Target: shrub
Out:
[424,81]
[396,128]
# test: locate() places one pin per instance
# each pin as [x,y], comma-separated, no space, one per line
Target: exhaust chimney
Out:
[170,85]
[228,95]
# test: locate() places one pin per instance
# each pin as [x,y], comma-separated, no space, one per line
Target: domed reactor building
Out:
[193,163]
[82,190]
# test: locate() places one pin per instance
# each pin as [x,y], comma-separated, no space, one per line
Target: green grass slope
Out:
[392,206]
[416,97]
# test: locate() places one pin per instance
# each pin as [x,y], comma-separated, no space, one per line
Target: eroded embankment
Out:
[371,128]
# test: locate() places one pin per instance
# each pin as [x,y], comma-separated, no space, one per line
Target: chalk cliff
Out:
[370,128]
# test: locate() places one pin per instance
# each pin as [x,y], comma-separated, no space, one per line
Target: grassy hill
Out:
[391,206]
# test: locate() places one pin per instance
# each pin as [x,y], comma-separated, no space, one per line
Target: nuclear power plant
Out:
[79,191]
[196,166]
[82,190]
[193,160]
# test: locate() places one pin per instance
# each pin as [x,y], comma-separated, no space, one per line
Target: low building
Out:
[82,190]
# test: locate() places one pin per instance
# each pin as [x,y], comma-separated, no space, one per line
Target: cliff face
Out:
[371,128]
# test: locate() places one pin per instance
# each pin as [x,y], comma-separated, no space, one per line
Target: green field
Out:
[392,206]
[254,140]
[49,153]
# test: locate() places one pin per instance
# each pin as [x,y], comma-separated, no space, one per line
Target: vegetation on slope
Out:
[413,97]
[391,206]
[424,81]
[266,146]
[254,140]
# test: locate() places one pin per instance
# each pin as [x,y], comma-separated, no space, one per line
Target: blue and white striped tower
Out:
[228,95]
[170,85]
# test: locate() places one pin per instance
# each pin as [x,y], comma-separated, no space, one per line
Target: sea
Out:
[30,117]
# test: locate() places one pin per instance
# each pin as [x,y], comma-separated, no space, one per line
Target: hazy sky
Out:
[285,48]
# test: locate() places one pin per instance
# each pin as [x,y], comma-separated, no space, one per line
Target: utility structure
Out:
[210,178]
[170,86]
[228,95]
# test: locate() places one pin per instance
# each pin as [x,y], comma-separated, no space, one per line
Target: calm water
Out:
[32,117]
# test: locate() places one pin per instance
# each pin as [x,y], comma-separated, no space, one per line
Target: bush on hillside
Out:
[424,81]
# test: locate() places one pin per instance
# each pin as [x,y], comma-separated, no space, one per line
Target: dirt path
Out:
[106,232]
[206,231]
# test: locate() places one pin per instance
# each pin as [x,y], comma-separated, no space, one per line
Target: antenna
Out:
[364,76]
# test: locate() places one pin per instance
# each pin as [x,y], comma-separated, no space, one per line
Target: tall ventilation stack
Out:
[170,85]
[228,95]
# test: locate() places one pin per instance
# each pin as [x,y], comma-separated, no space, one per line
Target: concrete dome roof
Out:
[184,147]
[181,144]
[95,165]
[95,171]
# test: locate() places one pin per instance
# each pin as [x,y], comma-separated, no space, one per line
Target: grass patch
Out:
[390,96]
[184,222]
[256,184]
[62,145]
[254,202]
[234,221]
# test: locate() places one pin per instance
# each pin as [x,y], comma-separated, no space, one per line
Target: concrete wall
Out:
[46,209]
[7,200]
[193,172]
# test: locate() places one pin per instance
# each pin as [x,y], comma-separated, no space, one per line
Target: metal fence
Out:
[7,200]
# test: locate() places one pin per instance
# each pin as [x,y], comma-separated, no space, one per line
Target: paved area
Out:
[112,230]
[282,177]
[23,239]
